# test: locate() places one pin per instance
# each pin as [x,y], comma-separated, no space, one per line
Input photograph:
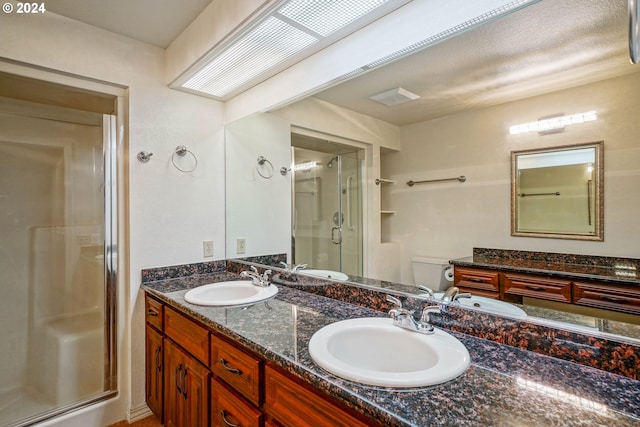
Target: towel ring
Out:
[182,151]
[261,161]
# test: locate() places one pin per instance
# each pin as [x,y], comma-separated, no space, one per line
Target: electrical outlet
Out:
[207,248]
[241,246]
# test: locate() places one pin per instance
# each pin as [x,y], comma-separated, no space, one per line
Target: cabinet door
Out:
[526,285]
[292,404]
[623,298]
[186,389]
[228,409]
[477,281]
[153,371]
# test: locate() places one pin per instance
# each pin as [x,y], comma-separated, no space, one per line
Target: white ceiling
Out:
[545,47]
[157,22]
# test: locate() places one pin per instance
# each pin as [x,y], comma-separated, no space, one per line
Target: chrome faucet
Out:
[453,294]
[292,269]
[426,289]
[256,277]
[403,318]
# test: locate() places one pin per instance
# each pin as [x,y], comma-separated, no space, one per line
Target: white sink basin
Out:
[326,274]
[489,305]
[234,292]
[375,352]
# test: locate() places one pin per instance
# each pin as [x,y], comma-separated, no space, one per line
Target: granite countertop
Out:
[504,386]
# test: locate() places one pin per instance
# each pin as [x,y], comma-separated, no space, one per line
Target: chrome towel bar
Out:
[460,178]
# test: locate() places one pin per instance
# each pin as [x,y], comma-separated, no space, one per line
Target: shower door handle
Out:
[336,240]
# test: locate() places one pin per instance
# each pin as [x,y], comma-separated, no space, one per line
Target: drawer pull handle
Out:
[183,382]
[158,359]
[535,288]
[614,299]
[229,368]
[177,378]
[476,280]
[152,313]
[223,414]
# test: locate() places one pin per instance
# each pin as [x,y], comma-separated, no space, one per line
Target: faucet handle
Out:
[426,289]
[463,295]
[299,267]
[425,326]
[395,301]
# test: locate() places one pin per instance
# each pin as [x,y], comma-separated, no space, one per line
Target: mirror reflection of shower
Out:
[327,204]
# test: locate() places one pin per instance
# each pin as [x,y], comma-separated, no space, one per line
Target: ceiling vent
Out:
[394,96]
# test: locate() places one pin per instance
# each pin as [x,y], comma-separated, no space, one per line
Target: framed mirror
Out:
[558,192]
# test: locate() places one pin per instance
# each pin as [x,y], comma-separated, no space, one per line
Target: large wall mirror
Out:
[558,192]
[474,87]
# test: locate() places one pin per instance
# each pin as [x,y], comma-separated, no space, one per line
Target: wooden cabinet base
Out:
[294,405]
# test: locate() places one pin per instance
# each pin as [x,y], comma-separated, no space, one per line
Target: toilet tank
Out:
[434,273]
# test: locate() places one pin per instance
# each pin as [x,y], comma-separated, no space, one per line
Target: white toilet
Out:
[434,273]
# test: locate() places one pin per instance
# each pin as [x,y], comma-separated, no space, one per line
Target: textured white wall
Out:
[169,212]
[258,208]
[449,219]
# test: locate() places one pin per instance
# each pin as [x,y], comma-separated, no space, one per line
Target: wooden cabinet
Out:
[237,368]
[186,390]
[153,373]
[534,286]
[229,409]
[292,404]
[197,378]
[485,283]
[191,336]
[513,286]
[154,311]
[154,356]
[599,295]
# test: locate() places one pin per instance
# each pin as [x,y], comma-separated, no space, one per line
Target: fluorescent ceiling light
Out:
[552,124]
[326,17]
[286,33]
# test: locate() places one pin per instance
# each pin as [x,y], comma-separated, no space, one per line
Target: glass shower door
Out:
[327,211]
[55,334]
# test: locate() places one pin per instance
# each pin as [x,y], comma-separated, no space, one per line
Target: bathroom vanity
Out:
[589,281]
[251,366]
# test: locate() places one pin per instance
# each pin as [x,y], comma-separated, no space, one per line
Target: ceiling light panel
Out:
[286,33]
[270,43]
[327,17]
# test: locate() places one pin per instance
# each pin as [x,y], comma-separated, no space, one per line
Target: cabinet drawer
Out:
[153,312]
[191,336]
[229,410]
[537,287]
[473,278]
[292,404]
[237,368]
[618,298]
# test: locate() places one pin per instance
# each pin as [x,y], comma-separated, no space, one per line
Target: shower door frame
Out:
[113,147]
[365,180]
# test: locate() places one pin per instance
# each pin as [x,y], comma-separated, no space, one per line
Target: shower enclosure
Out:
[327,205]
[57,222]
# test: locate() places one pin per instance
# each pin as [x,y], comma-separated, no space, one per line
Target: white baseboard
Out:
[139,412]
